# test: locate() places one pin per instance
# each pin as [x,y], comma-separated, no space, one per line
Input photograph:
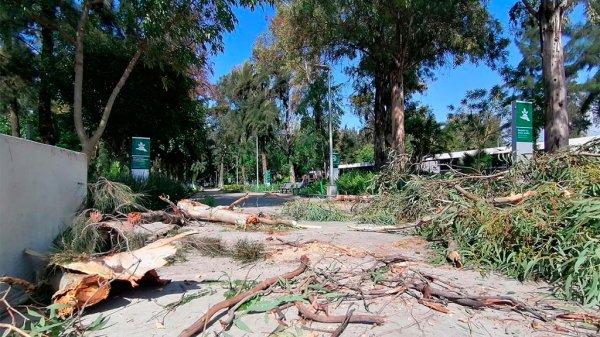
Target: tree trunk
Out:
[397,110]
[292,171]
[243,174]
[263,157]
[45,123]
[555,82]
[15,130]
[88,144]
[221,173]
[379,127]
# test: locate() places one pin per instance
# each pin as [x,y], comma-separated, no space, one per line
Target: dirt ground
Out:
[145,311]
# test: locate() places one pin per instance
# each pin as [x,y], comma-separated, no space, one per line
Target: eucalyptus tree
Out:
[404,40]
[549,17]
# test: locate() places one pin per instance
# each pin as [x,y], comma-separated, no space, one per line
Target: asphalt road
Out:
[255,200]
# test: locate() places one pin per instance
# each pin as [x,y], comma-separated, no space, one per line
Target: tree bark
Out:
[243,174]
[379,127]
[15,130]
[292,171]
[397,110]
[45,123]
[263,157]
[221,173]
[555,82]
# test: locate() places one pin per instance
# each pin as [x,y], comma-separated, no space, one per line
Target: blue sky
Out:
[448,87]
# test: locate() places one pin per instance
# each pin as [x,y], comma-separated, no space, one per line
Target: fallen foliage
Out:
[538,220]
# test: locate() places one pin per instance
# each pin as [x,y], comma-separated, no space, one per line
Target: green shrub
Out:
[317,188]
[233,188]
[354,183]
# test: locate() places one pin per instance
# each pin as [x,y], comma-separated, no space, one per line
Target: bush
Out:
[354,183]
[233,189]
[155,186]
[317,188]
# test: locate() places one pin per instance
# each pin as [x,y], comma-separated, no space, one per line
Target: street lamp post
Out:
[331,189]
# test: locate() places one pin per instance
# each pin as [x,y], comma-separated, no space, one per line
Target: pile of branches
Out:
[539,220]
[319,293]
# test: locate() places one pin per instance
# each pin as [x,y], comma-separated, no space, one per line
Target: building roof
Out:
[502,149]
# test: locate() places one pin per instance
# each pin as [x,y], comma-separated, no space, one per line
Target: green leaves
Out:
[263,306]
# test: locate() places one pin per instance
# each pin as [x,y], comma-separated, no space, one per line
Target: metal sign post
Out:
[336,165]
[140,157]
[522,130]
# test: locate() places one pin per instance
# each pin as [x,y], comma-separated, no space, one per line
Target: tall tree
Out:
[403,40]
[175,31]
[549,17]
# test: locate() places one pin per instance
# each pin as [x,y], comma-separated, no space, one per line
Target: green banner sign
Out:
[140,162]
[336,159]
[523,115]
[268,177]
[140,146]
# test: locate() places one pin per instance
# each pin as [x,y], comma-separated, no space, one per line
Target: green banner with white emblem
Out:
[524,121]
[140,153]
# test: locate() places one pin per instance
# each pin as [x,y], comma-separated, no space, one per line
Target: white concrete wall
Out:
[41,188]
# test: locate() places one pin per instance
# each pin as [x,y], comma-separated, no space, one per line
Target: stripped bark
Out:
[196,210]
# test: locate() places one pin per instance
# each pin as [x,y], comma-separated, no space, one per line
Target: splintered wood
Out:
[88,282]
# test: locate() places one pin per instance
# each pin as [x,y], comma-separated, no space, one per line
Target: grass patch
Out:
[311,211]
[208,246]
[247,251]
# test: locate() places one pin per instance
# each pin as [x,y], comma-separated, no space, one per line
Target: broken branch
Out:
[360,319]
[201,324]
[338,332]
[238,201]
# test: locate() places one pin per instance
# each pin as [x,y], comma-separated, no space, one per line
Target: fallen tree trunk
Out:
[199,211]
[202,323]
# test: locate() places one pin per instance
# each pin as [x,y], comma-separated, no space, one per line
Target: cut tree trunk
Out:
[553,72]
[15,130]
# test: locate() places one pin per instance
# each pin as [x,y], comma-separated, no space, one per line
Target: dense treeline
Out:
[88,75]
